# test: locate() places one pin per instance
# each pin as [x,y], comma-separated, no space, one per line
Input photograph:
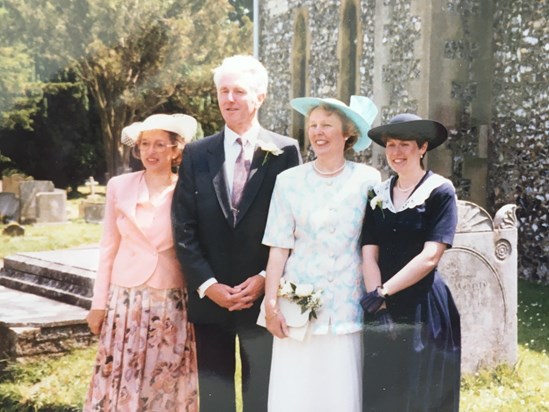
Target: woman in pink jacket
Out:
[146,356]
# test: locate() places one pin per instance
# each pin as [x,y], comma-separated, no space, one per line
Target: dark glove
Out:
[371,302]
[384,323]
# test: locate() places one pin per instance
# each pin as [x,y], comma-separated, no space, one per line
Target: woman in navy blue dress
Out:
[412,335]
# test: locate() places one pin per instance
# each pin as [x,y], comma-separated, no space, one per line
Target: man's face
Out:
[238,101]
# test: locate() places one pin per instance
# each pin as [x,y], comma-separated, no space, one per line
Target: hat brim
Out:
[434,132]
[304,105]
[180,124]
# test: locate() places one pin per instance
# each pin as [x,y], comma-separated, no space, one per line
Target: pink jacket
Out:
[131,252]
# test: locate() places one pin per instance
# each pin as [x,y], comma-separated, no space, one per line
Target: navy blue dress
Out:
[419,369]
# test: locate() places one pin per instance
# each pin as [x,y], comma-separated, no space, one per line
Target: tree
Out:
[133,56]
[242,9]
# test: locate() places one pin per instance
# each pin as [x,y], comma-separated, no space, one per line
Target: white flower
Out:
[376,201]
[285,288]
[269,147]
[304,290]
[304,295]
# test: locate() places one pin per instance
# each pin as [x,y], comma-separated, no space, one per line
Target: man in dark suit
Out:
[219,213]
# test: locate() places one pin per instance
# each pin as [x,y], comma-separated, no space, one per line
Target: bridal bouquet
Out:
[304,295]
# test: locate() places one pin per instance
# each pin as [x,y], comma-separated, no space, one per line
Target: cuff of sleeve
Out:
[202,288]
[262,273]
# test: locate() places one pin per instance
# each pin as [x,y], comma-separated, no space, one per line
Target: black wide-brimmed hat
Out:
[407,126]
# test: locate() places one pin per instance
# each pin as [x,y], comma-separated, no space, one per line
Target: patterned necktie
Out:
[241,170]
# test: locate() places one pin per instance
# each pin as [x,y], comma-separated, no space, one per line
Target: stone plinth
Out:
[92,209]
[481,271]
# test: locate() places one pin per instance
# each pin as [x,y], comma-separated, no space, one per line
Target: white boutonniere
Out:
[269,148]
[375,201]
[304,295]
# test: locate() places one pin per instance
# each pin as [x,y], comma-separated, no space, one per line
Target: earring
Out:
[421,156]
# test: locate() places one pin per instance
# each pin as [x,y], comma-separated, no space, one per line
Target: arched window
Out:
[348,51]
[300,77]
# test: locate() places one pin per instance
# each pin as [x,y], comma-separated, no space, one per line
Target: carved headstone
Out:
[481,271]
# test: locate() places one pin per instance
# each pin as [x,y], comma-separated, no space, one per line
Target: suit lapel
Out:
[257,173]
[128,203]
[216,160]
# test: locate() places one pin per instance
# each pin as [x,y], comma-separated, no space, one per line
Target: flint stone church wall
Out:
[478,66]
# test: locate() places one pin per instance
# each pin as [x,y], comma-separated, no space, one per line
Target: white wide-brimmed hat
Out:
[181,124]
[361,111]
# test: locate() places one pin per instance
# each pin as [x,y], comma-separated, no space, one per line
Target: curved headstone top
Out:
[473,218]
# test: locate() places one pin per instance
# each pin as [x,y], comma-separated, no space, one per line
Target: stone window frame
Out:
[344,42]
[300,73]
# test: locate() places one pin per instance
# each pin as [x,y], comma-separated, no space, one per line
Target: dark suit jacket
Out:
[207,240]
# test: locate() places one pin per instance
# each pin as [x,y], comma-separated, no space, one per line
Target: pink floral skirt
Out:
[146,359]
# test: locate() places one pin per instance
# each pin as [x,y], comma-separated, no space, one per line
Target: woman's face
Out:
[404,155]
[156,150]
[325,131]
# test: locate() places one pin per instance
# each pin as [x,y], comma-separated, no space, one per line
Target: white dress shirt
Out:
[232,150]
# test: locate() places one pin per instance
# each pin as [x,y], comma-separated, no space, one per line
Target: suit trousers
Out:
[216,353]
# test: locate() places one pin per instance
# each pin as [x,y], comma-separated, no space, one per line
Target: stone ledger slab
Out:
[63,275]
[32,325]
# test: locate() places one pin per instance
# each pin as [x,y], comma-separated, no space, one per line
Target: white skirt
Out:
[321,374]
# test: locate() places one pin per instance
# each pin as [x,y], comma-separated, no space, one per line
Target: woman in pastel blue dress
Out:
[313,230]
[412,336]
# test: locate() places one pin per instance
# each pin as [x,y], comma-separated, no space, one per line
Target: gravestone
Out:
[11,183]
[91,183]
[92,209]
[9,207]
[27,195]
[481,271]
[51,207]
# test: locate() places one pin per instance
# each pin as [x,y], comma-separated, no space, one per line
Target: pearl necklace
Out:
[406,190]
[332,172]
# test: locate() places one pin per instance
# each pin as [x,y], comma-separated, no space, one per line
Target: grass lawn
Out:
[58,384]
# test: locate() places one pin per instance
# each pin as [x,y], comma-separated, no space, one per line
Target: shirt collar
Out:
[250,136]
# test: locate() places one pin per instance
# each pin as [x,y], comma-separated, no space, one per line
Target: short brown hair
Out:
[349,127]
